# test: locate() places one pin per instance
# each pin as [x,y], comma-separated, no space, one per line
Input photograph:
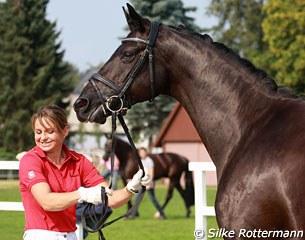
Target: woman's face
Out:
[48,137]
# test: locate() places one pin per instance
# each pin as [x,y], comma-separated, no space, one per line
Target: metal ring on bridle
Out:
[114,110]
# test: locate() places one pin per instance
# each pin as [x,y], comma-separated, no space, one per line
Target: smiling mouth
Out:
[45,143]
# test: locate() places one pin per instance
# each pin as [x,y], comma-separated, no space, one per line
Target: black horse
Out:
[169,165]
[253,132]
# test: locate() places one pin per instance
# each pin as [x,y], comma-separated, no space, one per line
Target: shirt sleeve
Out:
[31,171]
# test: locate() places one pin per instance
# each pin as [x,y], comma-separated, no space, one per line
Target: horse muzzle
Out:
[87,113]
[99,113]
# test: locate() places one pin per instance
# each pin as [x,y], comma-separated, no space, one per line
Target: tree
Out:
[32,70]
[169,12]
[239,26]
[145,119]
[284,28]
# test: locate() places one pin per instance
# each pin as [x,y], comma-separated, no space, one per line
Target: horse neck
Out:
[220,96]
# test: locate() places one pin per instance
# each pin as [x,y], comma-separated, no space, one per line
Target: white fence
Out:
[9,165]
[201,208]
[10,206]
[8,169]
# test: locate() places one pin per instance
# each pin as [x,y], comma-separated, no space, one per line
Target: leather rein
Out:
[117,112]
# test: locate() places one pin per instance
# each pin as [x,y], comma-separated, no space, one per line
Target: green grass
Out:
[11,222]
[176,226]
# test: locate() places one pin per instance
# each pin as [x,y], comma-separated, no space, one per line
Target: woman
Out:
[53,179]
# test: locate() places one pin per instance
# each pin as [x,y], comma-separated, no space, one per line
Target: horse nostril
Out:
[81,103]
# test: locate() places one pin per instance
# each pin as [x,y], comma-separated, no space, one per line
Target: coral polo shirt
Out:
[35,167]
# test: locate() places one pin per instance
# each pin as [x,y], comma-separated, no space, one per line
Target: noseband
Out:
[119,97]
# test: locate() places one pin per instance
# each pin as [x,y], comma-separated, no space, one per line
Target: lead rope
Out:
[89,209]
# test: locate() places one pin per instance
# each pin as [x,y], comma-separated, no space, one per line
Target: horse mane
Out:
[287,92]
[259,74]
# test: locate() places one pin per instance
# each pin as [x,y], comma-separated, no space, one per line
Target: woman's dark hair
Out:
[51,113]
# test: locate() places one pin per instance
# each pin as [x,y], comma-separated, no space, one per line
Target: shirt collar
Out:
[69,154]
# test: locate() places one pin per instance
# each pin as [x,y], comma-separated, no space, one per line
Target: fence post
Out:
[201,208]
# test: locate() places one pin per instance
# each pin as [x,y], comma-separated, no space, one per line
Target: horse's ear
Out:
[134,20]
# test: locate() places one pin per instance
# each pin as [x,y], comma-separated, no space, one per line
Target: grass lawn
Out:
[176,226]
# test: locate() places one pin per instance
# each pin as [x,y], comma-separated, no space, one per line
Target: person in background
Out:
[149,164]
[107,172]
[53,179]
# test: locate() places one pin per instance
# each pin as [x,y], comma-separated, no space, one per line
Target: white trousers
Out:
[38,234]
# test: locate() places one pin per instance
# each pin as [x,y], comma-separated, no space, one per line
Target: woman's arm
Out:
[51,201]
[122,196]
[118,197]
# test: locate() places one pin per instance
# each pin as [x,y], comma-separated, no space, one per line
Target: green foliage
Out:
[269,33]
[239,25]
[32,71]
[4,155]
[284,28]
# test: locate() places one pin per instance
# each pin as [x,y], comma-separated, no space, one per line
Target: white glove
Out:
[92,195]
[138,181]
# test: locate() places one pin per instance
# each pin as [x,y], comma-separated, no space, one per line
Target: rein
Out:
[89,208]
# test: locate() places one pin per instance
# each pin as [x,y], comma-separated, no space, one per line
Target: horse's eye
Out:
[128,56]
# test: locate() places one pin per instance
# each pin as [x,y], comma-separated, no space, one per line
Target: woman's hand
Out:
[92,195]
[138,181]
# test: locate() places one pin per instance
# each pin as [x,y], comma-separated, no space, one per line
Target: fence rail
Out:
[202,211]
[9,165]
[9,169]
[11,206]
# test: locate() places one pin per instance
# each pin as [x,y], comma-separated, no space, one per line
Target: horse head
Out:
[129,75]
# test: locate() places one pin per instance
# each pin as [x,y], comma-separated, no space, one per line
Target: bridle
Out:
[118,111]
[119,97]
